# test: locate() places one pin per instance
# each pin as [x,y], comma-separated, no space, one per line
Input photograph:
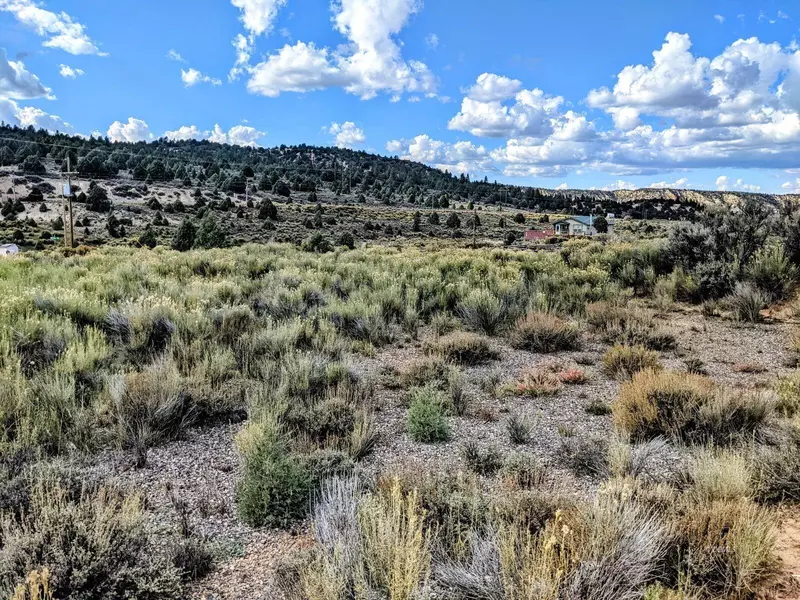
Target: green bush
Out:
[209,233]
[184,236]
[276,487]
[427,422]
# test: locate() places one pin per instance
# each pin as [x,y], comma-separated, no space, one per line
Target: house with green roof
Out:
[580,225]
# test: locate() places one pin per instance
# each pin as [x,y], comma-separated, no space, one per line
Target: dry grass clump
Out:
[754,368]
[544,333]
[541,381]
[366,544]
[623,362]
[688,408]
[788,390]
[523,472]
[573,377]
[584,456]
[485,461]
[776,473]
[149,408]
[424,371]
[729,547]
[462,348]
[519,429]
[634,327]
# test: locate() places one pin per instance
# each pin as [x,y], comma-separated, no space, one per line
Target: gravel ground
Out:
[203,468]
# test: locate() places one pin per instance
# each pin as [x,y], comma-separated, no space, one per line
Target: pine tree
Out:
[148,238]
[267,210]
[209,234]
[184,237]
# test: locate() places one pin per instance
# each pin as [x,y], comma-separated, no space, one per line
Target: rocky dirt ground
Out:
[202,469]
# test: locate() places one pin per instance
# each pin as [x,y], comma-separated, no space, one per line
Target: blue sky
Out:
[569,93]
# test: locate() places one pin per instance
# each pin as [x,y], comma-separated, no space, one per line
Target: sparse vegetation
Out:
[308,352]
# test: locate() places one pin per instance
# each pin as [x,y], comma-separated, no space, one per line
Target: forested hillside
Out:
[353,175]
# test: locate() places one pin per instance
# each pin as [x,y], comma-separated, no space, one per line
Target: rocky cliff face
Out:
[701,197]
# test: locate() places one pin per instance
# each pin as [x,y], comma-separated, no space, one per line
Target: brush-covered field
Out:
[399,423]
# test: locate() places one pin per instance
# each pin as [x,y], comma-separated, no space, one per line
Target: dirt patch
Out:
[250,576]
[788,549]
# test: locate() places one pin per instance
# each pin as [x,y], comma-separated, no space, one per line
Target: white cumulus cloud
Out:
[238,135]
[346,135]
[371,63]
[258,16]
[663,185]
[135,130]
[60,29]
[17,83]
[69,72]
[193,77]
[459,157]
[186,132]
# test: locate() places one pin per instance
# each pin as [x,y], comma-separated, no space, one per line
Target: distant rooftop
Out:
[580,218]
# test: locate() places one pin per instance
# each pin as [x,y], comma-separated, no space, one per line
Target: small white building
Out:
[8,249]
[580,225]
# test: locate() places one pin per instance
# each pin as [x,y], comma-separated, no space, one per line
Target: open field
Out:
[415,421]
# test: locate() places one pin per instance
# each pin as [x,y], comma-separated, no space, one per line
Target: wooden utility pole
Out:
[69,220]
[474,226]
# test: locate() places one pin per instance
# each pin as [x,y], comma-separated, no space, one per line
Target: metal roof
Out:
[579,218]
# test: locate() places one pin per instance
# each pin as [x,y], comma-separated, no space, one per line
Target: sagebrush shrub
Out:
[544,333]
[623,362]
[747,302]
[149,408]
[772,273]
[481,461]
[483,311]
[621,325]
[93,545]
[463,348]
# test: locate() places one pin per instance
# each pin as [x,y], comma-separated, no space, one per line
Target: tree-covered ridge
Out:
[357,175]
